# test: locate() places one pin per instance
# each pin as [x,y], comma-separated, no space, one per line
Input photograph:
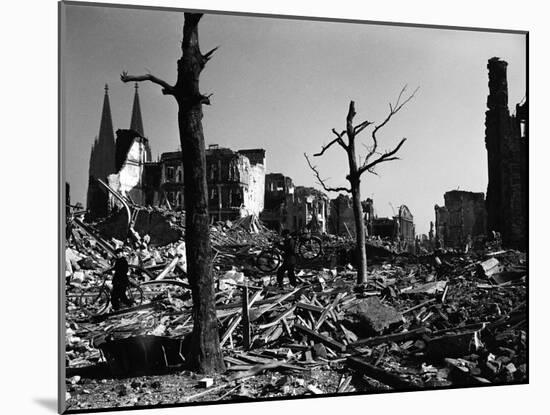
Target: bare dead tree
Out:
[358,167]
[205,352]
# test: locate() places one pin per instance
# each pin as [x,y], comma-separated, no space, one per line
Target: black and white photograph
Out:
[265,207]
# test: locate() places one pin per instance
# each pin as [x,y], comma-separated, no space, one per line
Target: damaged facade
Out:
[132,153]
[294,207]
[279,190]
[235,181]
[463,217]
[400,227]
[341,219]
[506,140]
[120,164]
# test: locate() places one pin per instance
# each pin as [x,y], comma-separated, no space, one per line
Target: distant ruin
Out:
[506,140]
[463,218]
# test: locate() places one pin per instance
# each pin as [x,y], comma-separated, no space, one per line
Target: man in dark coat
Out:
[120,282]
[288,247]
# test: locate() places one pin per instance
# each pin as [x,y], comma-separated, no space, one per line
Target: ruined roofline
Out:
[170,155]
[124,140]
[251,150]
[464,192]
[278,175]
[310,190]
[497,59]
[213,149]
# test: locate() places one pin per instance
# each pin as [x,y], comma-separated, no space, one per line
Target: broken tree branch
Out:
[339,139]
[208,55]
[321,182]
[167,89]
[325,148]
[349,123]
[387,156]
[360,127]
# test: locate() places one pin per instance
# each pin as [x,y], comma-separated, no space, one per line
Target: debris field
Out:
[441,319]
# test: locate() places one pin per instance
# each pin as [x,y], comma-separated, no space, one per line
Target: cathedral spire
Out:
[136,123]
[106,133]
[102,162]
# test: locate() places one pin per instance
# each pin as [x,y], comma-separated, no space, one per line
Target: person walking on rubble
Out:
[288,246]
[120,281]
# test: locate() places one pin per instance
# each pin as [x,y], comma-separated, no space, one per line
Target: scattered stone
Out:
[375,316]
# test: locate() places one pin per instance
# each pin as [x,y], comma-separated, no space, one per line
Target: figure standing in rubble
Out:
[121,282]
[288,246]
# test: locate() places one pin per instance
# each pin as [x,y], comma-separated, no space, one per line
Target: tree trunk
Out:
[205,353]
[361,251]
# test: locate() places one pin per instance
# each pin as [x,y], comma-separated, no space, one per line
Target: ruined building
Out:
[309,209]
[279,190]
[342,220]
[102,163]
[295,208]
[400,227]
[235,180]
[132,154]
[506,140]
[118,163]
[405,225]
[463,217]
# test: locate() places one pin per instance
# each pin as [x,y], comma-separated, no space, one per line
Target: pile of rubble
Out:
[438,320]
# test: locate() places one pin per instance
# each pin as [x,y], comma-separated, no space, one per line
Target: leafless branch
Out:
[205,99]
[325,148]
[360,127]
[394,109]
[167,88]
[208,55]
[321,181]
[338,140]
[387,156]
[371,170]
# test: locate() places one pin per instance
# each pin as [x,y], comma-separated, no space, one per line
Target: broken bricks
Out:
[394,325]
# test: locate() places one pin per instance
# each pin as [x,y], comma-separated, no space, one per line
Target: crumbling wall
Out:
[464,216]
[131,156]
[405,225]
[308,208]
[341,220]
[278,196]
[441,223]
[507,161]
[254,193]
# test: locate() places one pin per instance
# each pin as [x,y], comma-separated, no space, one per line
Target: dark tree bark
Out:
[357,169]
[205,353]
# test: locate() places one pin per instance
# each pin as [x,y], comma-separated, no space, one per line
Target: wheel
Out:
[140,274]
[135,294]
[72,302]
[95,300]
[268,260]
[310,248]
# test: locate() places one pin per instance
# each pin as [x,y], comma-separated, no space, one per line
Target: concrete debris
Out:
[423,321]
[374,316]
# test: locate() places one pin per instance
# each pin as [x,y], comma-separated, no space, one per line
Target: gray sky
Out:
[283,85]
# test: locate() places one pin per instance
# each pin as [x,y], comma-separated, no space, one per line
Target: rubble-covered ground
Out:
[438,320]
